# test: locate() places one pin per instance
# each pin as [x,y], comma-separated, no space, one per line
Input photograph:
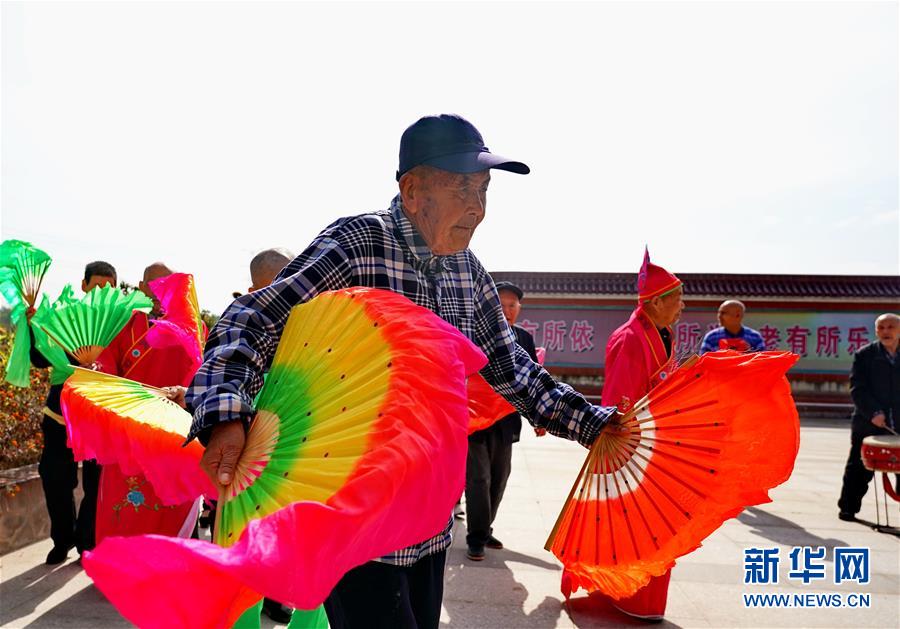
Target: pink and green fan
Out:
[357,449]
[84,327]
[22,268]
[118,421]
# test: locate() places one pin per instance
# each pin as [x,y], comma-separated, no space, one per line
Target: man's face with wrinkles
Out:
[445,207]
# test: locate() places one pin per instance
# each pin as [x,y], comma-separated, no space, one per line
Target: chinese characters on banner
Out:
[825,341]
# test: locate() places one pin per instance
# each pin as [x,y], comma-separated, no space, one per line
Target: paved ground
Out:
[519,586]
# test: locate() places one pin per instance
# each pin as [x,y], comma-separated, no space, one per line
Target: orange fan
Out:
[707,442]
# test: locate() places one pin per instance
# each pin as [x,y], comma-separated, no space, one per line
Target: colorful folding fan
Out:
[181,323]
[136,427]
[83,328]
[707,442]
[358,449]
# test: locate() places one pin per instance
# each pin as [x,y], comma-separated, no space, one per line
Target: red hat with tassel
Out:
[653,280]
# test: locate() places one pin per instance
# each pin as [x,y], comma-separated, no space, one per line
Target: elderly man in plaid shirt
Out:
[418,247]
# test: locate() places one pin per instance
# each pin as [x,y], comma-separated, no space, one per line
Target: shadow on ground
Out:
[596,610]
[468,606]
[22,594]
[783,531]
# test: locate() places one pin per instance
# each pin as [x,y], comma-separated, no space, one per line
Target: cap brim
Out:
[476,161]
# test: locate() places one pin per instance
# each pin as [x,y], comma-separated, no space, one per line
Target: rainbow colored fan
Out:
[710,440]
[83,328]
[22,267]
[135,426]
[362,421]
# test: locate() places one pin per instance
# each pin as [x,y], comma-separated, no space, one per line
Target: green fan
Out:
[22,267]
[55,355]
[18,363]
[83,328]
[26,265]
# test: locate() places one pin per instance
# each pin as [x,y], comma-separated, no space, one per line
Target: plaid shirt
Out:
[382,250]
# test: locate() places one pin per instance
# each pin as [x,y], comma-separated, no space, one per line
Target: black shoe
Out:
[276,611]
[846,516]
[493,542]
[475,553]
[58,554]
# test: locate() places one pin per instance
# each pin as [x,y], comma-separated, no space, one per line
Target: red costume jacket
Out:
[127,505]
[636,360]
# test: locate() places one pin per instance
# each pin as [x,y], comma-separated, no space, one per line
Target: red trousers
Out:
[650,600]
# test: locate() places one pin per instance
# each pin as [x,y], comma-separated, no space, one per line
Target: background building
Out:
[823,318]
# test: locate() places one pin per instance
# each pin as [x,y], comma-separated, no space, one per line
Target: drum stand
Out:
[886,490]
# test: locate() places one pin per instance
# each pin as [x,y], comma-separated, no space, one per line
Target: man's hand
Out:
[176,394]
[29,313]
[615,424]
[540,432]
[223,451]
[878,420]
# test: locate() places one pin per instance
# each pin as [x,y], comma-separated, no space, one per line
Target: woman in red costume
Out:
[127,505]
[640,354]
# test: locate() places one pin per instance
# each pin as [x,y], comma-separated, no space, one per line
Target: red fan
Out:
[707,442]
[486,407]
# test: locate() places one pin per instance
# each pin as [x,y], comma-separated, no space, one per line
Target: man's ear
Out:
[83,286]
[409,192]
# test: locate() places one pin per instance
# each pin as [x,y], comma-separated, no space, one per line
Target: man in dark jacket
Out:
[875,389]
[490,450]
[57,466]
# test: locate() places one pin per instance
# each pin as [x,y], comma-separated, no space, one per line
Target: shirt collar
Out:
[422,256]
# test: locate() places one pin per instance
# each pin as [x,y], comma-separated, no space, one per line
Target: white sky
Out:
[755,137]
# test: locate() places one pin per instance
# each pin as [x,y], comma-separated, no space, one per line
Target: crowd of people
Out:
[418,247]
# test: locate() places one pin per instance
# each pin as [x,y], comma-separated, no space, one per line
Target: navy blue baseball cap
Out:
[451,143]
[518,292]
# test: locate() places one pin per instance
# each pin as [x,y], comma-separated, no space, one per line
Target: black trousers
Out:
[383,596]
[487,469]
[59,478]
[856,476]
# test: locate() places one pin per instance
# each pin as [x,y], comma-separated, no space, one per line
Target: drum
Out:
[881,453]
